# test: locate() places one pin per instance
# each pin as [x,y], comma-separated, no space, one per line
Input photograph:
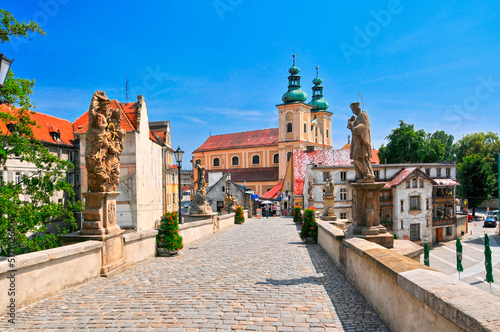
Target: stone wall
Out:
[406,294]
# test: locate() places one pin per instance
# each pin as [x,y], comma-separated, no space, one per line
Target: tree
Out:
[23,223]
[485,145]
[476,180]
[449,144]
[409,146]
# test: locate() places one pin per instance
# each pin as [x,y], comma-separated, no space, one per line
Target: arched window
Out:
[289,127]
[256,160]
[289,156]
[216,162]
[276,158]
[235,161]
[327,133]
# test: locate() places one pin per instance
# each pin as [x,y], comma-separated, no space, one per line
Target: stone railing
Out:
[406,294]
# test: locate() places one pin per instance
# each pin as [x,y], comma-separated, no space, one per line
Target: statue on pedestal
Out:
[310,190]
[200,204]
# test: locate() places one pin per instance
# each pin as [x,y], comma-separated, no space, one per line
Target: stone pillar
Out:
[366,214]
[329,210]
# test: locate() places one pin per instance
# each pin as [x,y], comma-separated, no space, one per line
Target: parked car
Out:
[490,221]
[186,205]
[470,217]
[492,214]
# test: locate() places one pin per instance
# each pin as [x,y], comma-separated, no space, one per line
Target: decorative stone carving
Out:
[199,204]
[329,202]
[361,146]
[104,143]
[330,188]
[201,175]
[310,190]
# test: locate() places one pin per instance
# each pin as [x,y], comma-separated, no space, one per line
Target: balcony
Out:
[386,202]
[442,199]
[444,221]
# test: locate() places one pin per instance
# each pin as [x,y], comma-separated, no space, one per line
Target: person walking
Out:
[274,210]
[267,210]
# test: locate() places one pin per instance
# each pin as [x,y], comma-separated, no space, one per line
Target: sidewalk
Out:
[256,276]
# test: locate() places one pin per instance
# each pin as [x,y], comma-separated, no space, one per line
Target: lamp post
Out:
[244,194]
[4,69]
[178,157]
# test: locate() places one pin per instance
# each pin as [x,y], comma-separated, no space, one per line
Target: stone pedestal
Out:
[366,214]
[100,225]
[197,217]
[329,210]
[310,202]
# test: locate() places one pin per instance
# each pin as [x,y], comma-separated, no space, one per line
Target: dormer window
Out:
[12,127]
[56,136]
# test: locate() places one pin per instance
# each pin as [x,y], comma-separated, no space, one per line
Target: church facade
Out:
[260,157]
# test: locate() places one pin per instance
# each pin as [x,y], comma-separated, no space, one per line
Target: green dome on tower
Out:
[294,93]
[318,103]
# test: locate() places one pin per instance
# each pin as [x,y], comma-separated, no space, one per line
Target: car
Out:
[186,205]
[470,217]
[490,221]
[493,214]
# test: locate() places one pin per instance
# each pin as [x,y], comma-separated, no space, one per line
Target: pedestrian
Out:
[274,210]
[267,210]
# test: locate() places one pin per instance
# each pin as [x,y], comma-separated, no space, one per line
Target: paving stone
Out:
[258,276]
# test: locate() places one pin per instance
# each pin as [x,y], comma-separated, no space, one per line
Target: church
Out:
[259,158]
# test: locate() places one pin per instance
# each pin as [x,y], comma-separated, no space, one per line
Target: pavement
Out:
[257,276]
[443,257]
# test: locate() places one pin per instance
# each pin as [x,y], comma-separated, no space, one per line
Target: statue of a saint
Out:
[104,143]
[201,175]
[361,149]
[330,188]
[310,190]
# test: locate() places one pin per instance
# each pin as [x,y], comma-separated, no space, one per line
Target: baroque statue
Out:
[330,188]
[310,190]
[199,204]
[103,145]
[361,148]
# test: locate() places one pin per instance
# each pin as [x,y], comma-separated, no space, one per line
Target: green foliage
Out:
[168,236]
[297,214]
[309,227]
[29,208]
[409,146]
[239,216]
[476,179]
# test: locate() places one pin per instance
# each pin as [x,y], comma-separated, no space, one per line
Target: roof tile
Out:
[263,137]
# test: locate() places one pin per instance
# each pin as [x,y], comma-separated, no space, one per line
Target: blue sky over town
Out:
[221,66]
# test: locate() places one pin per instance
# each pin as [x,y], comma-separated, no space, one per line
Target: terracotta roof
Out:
[446,182]
[46,124]
[273,192]
[249,174]
[405,174]
[130,115]
[263,137]
[302,158]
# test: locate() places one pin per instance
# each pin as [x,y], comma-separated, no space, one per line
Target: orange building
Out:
[259,157]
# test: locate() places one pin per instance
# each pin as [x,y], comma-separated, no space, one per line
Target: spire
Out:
[294,93]
[318,103]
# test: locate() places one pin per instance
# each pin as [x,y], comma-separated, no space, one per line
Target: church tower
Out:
[302,125]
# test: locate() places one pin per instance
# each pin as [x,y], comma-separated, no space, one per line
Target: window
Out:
[326,176]
[428,171]
[305,128]
[415,203]
[316,131]
[343,194]
[402,224]
[414,232]
[438,172]
[407,184]
[448,230]
[256,160]
[235,161]
[448,173]
[376,174]
[289,156]
[414,183]
[421,183]
[343,176]
[343,215]
[327,133]
[18,178]
[223,188]
[71,178]
[427,204]
[71,156]
[216,162]
[276,158]
[289,127]
[402,205]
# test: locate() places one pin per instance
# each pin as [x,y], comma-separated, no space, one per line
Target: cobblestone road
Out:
[257,276]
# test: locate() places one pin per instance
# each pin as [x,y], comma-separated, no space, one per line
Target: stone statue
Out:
[361,149]
[310,190]
[201,175]
[103,144]
[330,188]
[199,204]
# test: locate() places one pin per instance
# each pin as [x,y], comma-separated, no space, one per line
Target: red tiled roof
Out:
[446,182]
[249,174]
[263,137]
[405,174]
[302,158]
[273,192]
[129,123]
[45,124]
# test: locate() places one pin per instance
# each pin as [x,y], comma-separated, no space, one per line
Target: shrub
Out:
[168,237]
[309,227]
[297,214]
[239,216]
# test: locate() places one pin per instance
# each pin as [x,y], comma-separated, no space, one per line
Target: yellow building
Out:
[260,157]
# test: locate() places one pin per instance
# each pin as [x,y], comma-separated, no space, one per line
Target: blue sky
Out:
[221,66]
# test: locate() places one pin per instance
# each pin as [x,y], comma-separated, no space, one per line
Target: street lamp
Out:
[4,68]
[178,157]
[245,194]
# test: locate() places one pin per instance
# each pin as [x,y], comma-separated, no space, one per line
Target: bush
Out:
[168,237]
[309,227]
[297,214]
[239,216]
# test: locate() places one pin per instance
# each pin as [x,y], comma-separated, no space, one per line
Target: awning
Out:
[274,192]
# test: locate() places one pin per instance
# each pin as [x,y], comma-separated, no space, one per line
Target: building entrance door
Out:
[439,234]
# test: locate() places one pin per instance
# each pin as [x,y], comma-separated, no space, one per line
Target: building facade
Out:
[260,157]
